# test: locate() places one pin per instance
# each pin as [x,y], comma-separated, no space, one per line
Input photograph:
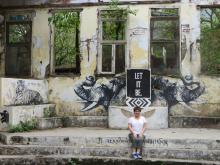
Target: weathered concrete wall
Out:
[157,117]
[23,91]
[88,37]
[208,104]
[26,113]
[68,92]
[40,43]
[138,38]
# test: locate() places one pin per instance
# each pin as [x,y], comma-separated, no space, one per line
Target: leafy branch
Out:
[114,5]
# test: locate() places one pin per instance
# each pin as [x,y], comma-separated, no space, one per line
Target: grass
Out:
[23,126]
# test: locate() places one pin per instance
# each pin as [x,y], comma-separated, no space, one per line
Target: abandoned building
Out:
[71,57]
[63,63]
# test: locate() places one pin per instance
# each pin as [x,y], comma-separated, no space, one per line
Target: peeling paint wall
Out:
[61,92]
[40,43]
[88,39]
[138,38]
[61,88]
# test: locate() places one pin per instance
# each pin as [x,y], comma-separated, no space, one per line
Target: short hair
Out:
[137,109]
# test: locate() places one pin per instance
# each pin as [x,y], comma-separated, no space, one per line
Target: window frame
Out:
[113,43]
[202,70]
[28,21]
[77,69]
[175,42]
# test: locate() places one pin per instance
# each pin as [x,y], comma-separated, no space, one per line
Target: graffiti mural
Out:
[172,93]
[175,93]
[4,116]
[98,94]
[25,96]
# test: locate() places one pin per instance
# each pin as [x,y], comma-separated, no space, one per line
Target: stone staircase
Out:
[194,146]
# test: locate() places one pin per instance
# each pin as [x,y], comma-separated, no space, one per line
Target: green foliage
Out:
[164,12]
[210,41]
[19,33]
[66,25]
[72,162]
[114,21]
[23,126]
[49,112]
[113,30]
[117,10]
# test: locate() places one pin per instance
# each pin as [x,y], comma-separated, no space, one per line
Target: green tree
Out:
[210,40]
[66,38]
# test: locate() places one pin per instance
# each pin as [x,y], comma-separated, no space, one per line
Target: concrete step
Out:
[98,137]
[188,144]
[73,121]
[92,160]
[194,122]
[22,113]
[205,144]
[159,153]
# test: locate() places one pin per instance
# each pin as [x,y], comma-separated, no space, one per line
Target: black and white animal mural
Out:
[175,93]
[96,94]
[162,89]
[25,96]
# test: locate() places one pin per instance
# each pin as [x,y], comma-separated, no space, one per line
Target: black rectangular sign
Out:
[138,83]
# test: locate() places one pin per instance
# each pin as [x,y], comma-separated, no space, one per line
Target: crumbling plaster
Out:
[137,56]
[40,43]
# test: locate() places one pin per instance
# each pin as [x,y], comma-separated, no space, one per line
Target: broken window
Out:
[164,41]
[210,40]
[112,41]
[18,45]
[66,41]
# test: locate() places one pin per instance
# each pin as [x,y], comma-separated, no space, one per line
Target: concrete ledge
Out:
[91,160]
[85,121]
[194,122]
[157,117]
[27,112]
[79,141]
[157,153]
[48,123]
[93,137]
[73,121]
[188,144]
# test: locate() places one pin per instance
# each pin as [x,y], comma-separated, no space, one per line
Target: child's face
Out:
[137,113]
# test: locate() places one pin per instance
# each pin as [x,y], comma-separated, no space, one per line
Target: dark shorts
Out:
[136,142]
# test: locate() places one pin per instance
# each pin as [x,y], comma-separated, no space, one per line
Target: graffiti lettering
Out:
[159,141]
[117,141]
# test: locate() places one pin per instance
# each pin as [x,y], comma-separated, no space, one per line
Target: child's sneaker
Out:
[134,155]
[138,156]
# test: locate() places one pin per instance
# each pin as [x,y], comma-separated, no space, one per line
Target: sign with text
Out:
[138,83]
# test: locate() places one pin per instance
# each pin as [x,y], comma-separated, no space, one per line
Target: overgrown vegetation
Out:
[66,37]
[23,126]
[114,5]
[49,112]
[72,162]
[210,41]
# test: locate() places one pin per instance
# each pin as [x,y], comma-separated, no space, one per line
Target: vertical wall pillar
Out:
[88,38]
[138,38]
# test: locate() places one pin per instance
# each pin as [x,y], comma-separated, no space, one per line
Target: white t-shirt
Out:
[137,124]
